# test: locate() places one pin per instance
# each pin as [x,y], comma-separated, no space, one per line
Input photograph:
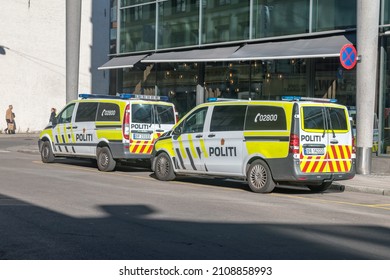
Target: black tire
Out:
[163,168]
[46,152]
[259,177]
[105,161]
[320,188]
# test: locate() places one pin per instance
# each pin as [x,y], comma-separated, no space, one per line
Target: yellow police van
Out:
[263,142]
[107,128]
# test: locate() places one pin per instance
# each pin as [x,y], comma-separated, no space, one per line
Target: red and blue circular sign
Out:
[348,56]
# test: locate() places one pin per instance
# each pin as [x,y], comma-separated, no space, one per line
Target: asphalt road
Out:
[70,210]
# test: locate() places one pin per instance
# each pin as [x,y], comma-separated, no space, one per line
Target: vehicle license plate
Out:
[141,136]
[314,151]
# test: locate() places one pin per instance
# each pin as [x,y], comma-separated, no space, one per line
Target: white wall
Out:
[32,70]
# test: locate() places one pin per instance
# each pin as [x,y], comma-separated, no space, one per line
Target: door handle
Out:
[69,127]
[199,136]
[334,141]
[211,135]
[159,130]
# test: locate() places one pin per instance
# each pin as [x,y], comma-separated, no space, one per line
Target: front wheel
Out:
[259,177]
[163,168]
[46,152]
[320,188]
[104,159]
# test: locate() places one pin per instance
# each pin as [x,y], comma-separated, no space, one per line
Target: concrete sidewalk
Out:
[376,183]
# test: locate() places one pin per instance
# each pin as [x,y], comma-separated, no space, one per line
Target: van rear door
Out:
[148,121]
[325,139]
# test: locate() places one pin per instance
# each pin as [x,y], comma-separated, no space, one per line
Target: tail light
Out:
[126,123]
[294,144]
[353,144]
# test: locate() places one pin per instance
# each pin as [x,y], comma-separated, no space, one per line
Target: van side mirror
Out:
[177,131]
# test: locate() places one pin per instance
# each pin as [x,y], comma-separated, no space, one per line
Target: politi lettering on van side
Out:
[84,137]
[140,126]
[311,138]
[223,151]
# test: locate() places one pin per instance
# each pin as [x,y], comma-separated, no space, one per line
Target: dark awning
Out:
[197,55]
[122,62]
[303,48]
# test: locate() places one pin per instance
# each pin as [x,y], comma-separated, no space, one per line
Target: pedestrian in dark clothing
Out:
[52,114]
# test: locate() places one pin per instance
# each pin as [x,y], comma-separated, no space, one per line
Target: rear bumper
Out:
[121,151]
[288,170]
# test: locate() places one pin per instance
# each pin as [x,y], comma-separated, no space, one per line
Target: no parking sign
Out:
[348,56]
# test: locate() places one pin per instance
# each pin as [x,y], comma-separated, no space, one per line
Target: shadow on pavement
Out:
[129,232]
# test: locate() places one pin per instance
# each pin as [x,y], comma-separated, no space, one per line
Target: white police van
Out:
[263,142]
[107,128]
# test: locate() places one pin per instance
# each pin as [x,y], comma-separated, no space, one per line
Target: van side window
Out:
[108,112]
[164,114]
[86,112]
[195,122]
[265,118]
[338,119]
[66,115]
[141,113]
[228,118]
[313,117]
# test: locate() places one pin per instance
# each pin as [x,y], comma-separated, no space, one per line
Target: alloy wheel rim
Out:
[258,176]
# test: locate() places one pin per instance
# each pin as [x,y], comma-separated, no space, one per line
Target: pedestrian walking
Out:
[10,119]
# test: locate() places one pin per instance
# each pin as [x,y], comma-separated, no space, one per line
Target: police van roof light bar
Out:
[88,95]
[124,96]
[303,98]
[144,97]
[215,99]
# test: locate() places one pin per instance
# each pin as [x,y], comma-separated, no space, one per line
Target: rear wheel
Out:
[320,188]
[259,177]
[163,168]
[104,159]
[46,152]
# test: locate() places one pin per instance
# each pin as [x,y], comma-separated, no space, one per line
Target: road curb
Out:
[360,189]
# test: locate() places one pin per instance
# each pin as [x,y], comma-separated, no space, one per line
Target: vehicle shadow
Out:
[132,232]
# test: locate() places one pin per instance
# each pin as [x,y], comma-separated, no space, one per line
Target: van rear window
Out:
[141,113]
[314,118]
[165,114]
[338,119]
[265,118]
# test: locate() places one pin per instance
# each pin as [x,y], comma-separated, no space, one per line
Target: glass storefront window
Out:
[333,14]
[258,80]
[125,3]
[280,17]
[225,20]
[139,80]
[386,9]
[385,147]
[178,81]
[227,80]
[333,81]
[178,23]
[137,31]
